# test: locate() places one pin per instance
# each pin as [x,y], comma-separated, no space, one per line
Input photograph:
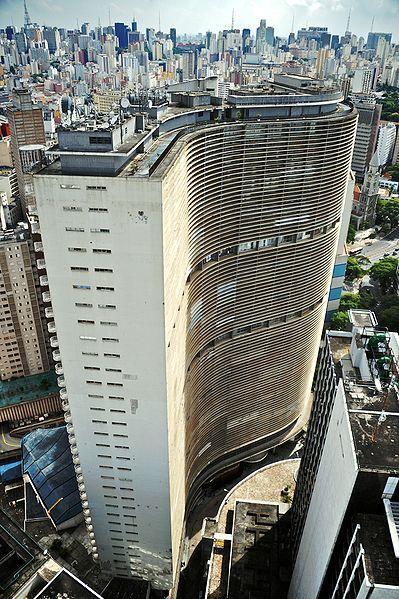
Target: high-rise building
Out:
[386,142]
[373,38]
[189,282]
[365,208]
[172,35]
[366,133]
[27,141]
[121,31]
[23,348]
[52,36]
[345,513]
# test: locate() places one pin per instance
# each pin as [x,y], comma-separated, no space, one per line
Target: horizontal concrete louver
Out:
[264,201]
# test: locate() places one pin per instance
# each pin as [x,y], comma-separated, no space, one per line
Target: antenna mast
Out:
[349,20]
[372,25]
[232,20]
[27,18]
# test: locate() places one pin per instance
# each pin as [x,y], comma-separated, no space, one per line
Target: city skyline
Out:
[333,14]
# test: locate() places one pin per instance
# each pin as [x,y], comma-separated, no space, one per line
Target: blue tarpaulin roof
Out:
[11,471]
[47,459]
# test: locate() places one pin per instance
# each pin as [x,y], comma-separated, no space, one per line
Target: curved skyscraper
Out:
[189,265]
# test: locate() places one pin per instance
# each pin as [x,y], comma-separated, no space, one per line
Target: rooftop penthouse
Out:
[110,144]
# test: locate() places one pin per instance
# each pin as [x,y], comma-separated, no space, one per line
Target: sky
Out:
[193,16]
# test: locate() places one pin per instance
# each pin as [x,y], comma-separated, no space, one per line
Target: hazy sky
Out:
[192,16]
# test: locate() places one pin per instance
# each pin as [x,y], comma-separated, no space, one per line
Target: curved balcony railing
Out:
[57,356]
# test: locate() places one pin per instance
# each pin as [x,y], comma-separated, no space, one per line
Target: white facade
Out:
[333,487]
[386,142]
[102,239]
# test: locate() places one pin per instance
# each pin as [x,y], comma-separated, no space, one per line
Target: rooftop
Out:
[28,388]
[381,565]
[366,360]
[67,586]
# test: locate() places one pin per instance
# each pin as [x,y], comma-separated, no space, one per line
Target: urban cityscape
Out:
[199,302]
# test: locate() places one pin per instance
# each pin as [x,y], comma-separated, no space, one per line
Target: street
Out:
[375,250]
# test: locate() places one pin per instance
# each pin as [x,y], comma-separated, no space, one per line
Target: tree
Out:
[390,318]
[350,238]
[388,212]
[350,301]
[385,271]
[353,269]
[339,321]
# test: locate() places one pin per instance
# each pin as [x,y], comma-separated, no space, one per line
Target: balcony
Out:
[85,504]
[83,496]
[41,264]
[35,227]
[46,297]
[38,246]
[32,210]
[69,427]
[54,342]
[74,450]
[43,280]
[68,417]
[61,381]
[63,393]
[59,369]
[76,460]
[49,312]
[57,358]
[78,470]
[51,327]
[65,406]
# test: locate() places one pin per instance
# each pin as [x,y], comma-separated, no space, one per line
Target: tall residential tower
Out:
[189,266]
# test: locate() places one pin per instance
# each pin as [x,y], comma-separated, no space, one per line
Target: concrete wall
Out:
[124,453]
[334,483]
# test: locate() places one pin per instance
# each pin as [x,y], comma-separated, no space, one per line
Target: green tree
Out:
[339,321]
[353,269]
[388,212]
[350,301]
[350,238]
[385,271]
[390,318]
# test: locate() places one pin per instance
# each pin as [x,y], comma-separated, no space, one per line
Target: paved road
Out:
[7,443]
[376,250]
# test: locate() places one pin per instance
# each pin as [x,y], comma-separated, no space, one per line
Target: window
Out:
[107,306]
[72,209]
[110,340]
[95,188]
[77,250]
[103,270]
[100,288]
[85,338]
[83,305]
[115,397]
[97,140]
[108,323]
[94,382]
[95,230]
[113,370]
[65,186]
[115,384]
[101,251]
[89,353]
[75,229]
[86,321]
[95,396]
[79,268]
[81,286]
[91,368]
[98,209]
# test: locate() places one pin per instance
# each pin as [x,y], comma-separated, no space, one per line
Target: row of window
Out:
[80,209]
[105,339]
[102,306]
[98,287]
[94,250]
[82,230]
[86,269]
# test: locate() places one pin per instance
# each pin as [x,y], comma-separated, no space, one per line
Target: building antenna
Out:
[27,19]
[348,23]
[159,20]
[232,20]
[372,25]
[109,16]
[293,21]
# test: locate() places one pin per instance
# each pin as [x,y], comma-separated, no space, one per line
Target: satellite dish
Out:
[125,103]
